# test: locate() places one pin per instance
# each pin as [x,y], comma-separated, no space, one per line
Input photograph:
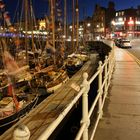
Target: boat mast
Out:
[77,25]
[73,15]
[65,22]
[53,25]
[26,28]
[32,35]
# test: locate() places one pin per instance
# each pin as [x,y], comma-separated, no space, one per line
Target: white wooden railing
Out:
[104,74]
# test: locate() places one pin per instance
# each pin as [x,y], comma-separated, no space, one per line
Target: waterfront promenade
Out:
[121,113]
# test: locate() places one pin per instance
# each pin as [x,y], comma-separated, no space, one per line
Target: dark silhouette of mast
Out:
[65,22]
[73,16]
[53,25]
[26,29]
[77,25]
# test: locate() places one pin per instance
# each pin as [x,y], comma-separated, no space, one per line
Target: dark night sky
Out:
[40,6]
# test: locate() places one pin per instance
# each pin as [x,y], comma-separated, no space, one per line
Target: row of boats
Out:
[22,86]
[31,71]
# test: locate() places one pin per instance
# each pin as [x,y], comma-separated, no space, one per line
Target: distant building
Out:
[127,23]
[102,18]
[88,29]
[99,21]
[110,14]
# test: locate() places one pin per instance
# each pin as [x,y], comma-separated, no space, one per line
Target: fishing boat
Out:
[76,59]
[16,105]
[73,64]
[17,97]
[16,94]
[49,79]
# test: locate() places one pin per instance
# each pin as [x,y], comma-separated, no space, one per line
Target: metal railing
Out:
[104,74]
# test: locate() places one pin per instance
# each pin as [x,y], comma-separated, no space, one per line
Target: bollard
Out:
[21,132]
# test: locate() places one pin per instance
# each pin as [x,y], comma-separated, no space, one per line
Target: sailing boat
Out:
[16,95]
[76,59]
[49,79]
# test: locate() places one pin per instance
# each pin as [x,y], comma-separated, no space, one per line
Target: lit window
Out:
[131,22]
[88,24]
[120,19]
[116,14]
[70,27]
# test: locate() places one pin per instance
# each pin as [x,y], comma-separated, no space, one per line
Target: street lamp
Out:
[88,24]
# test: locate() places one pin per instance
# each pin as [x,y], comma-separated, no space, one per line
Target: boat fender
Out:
[21,132]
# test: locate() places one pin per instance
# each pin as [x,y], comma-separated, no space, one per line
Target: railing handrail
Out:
[104,74]
[108,65]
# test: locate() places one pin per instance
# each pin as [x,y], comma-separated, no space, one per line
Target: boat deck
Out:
[47,111]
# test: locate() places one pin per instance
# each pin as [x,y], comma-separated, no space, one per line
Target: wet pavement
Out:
[121,118]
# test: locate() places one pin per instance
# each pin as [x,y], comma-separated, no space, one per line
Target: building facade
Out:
[99,21]
[127,23]
[102,18]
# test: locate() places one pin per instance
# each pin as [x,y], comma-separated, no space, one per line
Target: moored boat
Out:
[49,79]
[17,97]
[15,101]
[75,61]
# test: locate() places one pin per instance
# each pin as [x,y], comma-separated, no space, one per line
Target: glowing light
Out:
[131,22]
[120,33]
[70,27]
[113,22]
[97,26]
[119,23]
[88,24]
[137,22]
[120,19]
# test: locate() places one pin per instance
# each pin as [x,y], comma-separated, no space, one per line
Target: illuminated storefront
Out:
[127,23]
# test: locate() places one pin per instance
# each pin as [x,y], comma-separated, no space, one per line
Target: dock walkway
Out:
[121,118]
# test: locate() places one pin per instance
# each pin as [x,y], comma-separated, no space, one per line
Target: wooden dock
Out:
[46,112]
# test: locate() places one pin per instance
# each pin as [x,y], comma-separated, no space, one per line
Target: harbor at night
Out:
[69,69]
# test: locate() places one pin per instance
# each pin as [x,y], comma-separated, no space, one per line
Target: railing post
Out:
[106,77]
[100,90]
[113,58]
[109,68]
[85,118]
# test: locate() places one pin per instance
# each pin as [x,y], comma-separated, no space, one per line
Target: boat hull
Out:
[19,114]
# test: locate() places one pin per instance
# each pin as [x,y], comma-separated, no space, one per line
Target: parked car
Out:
[125,44]
[117,42]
